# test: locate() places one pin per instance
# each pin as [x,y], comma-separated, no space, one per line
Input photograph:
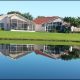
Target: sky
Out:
[42,8]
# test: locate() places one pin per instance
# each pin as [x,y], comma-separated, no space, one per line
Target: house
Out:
[16,22]
[75,29]
[48,24]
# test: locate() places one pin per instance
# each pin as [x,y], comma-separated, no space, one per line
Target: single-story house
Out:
[16,22]
[48,24]
[75,29]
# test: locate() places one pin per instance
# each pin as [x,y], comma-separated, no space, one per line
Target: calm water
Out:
[32,61]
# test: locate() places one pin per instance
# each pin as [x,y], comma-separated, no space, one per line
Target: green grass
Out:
[40,35]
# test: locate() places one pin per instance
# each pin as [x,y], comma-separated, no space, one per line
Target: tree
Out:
[71,55]
[28,16]
[40,16]
[12,12]
[73,21]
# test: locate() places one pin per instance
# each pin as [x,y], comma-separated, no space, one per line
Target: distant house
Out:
[75,29]
[48,24]
[16,22]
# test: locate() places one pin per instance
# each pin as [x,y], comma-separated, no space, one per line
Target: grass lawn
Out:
[40,35]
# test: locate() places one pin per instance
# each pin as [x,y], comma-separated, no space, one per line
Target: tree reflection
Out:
[71,55]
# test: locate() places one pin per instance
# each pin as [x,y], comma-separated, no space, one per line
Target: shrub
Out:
[1,29]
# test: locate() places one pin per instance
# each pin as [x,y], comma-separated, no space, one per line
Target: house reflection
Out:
[53,51]
[16,50]
[64,52]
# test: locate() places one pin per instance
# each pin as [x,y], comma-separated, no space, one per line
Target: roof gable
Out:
[15,16]
[18,16]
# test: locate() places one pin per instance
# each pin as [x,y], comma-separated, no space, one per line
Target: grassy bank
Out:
[37,42]
[39,35]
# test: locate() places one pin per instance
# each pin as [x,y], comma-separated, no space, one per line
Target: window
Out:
[14,20]
[25,27]
[12,48]
[19,27]
[43,25]
[14,25]
[33,27]
[59,23]
[25,48]
[19,48]
[1,25]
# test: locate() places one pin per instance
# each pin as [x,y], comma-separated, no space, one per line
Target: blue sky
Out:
[42,8]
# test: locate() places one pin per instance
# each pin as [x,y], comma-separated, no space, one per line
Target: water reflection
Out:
[64,52]
[16,51]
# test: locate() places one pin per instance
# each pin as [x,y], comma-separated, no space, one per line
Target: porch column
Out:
[32,27]
[23,25]
[17,24]
[28,27]
[45,27]
[10,23]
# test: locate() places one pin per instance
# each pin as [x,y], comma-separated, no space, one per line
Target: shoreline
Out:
[38,42]
[39,39]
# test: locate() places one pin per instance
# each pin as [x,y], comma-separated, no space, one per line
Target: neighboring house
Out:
[48,24]
[75,29]
[16,22]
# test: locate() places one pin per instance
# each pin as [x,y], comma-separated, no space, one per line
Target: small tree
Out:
[28,16]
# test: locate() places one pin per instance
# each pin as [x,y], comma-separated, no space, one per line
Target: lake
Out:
[31,61]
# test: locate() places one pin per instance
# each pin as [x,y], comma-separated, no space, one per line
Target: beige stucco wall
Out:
[37,27]
[38,47]
[6,21]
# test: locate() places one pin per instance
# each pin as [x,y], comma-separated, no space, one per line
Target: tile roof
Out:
[41,53]
[42,20]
